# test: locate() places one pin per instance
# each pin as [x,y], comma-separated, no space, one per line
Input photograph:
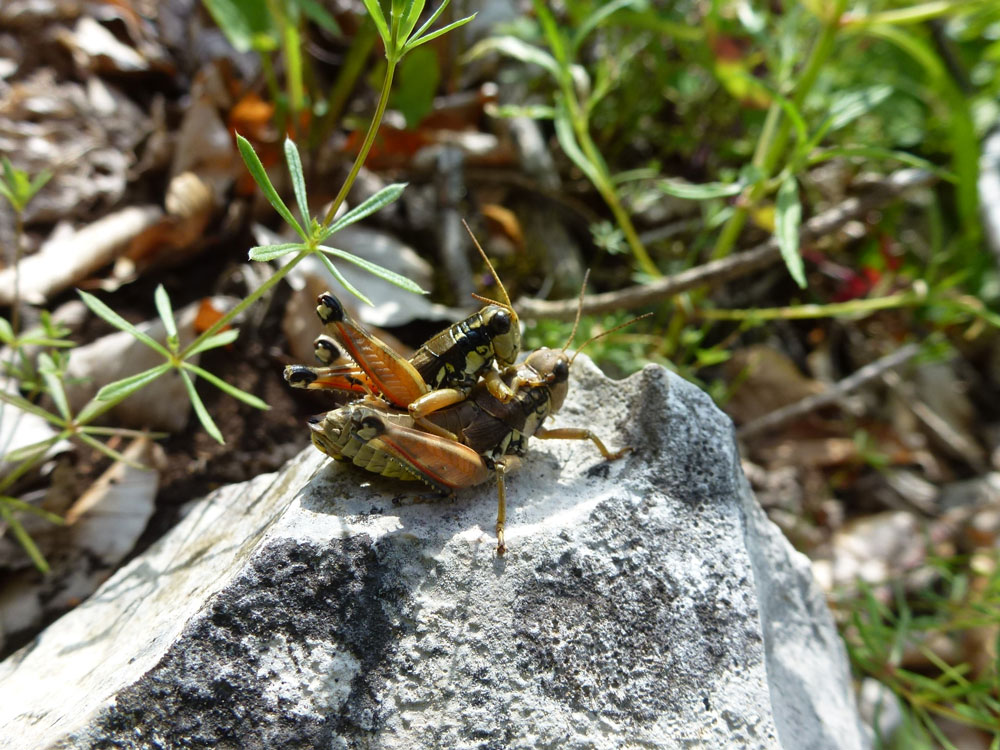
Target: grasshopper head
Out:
[505,332]
[552,367]
[324,433]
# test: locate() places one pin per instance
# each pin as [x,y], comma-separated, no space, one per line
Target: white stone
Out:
[643,603]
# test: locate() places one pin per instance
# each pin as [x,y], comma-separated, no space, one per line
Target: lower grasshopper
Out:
[483,435]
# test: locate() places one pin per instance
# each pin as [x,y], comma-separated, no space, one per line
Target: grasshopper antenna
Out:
[618,327]
[579,311]
[506,303]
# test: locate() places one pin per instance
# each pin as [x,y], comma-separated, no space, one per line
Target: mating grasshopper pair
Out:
[456,414]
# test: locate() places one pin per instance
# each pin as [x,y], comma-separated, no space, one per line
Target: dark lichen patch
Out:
[656,645]
[208,690]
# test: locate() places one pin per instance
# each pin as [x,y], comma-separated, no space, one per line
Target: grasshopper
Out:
[485,436]
[442,372]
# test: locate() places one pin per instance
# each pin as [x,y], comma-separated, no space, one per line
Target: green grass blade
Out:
[24,538]
[166,313]
[335,272]
[264,253]
[24,405]
[259,175]
[788,217]
[298,179]
[28,452]
[373,268]
[375,11]
[121,389]
[695,192]
[225,387]
[110,452]
[53,384]
[110,316]
[417,41]
[380,200]
[513,47]
[20,505]
[199,408]
[214,342]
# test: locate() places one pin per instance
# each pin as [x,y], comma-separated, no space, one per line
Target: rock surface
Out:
[643,603]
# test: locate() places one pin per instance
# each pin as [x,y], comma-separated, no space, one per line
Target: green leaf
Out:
[335,272]
[29,452]
[298,179]
[849,106]
[595,19]
[53,384]
[532,111]
[20,505]
[875,152]
[259,175]
[409,18]
[383,273]
[42,341]
[704,191]
[199,408]
[24,538]
[225,387]
[375,11]
[382,198]
[242,21]
[166,314]
[107,314]
[787,219]
[6,331]
[511,46]
[121,389]
[110,452]
[418,40]
[567,141]
[41,179]
[553,34]
[264,253]
[320,16]
[24,405]
[214,342]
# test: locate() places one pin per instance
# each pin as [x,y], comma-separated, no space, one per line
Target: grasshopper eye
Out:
[560,371]
[500,322]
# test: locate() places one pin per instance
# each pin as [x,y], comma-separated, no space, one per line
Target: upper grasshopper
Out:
[442,372]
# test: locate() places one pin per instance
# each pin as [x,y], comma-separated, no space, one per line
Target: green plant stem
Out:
[604,183]
[774,135]
[383,100]
[292,43]
[802,312]
[15,307]
[285,269]
[769,149]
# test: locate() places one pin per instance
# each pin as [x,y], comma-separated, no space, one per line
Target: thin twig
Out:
[733,266]
[837,391]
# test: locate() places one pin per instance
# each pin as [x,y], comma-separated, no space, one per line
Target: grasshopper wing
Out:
[392,375]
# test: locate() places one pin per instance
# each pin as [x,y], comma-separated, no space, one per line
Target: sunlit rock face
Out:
[643,603]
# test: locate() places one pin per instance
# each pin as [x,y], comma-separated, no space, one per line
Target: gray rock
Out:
[643,603]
